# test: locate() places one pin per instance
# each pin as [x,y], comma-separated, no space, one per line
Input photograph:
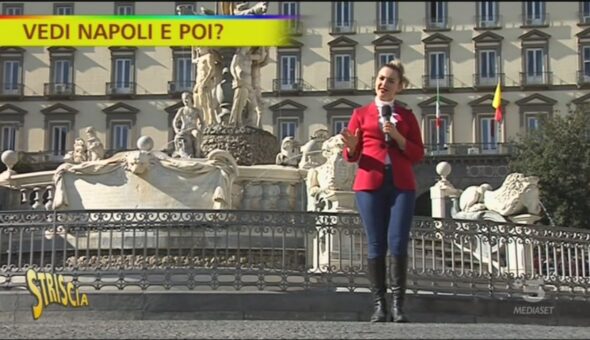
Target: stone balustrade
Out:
[258,187]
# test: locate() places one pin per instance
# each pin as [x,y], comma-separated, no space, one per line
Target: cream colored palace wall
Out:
[563,54]
[154,67]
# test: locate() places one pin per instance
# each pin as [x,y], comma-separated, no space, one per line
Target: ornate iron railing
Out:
[270,250]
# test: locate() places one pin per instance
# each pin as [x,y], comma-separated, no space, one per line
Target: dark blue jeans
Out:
[387,215]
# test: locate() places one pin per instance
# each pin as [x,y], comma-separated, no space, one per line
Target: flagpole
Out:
[437,117]
[500,122]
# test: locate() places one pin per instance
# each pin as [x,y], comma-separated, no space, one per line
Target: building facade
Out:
[538,50]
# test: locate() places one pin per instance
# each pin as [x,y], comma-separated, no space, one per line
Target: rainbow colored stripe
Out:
[148,17]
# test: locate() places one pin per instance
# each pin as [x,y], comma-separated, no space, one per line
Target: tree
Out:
[558,152]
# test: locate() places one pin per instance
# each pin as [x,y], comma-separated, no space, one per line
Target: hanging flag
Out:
[497,103]
[437,112]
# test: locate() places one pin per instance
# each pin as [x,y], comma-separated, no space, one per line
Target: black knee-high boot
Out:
[376,271]
[399,270]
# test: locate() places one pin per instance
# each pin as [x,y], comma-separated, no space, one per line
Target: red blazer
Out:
[371,151]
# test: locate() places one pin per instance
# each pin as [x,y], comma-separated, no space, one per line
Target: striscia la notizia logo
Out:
[50,288]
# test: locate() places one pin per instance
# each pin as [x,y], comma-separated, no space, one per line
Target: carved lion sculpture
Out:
[518,194]
[472,198]
[137,163]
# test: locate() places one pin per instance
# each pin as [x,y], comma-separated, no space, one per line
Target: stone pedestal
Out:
[248,145]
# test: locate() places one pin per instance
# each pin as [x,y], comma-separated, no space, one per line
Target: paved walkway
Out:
[282,330]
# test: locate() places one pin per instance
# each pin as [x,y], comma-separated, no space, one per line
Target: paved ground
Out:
[282,330]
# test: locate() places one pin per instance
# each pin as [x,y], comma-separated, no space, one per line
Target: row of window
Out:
[62,82]
[437,18]
[58,137]
[121,123]
[487,13]
[119,8]
[437,72]
[121,133]
[437,139]
[59,128]
[343,76]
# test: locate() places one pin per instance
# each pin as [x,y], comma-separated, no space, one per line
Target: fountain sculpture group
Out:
[223,159]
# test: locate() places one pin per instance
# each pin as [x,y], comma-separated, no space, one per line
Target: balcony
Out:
[583,78]
[120,89]
[444,81]
[342,84]
[177,87]
[487,81]
[11,90]
[287,86]
[468,149]
[343,27]
[539,20]
[439,23]
[384,26]
[536,79]
[58,90]
[488,21]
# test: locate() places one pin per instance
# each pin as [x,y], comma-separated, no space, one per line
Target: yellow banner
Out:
[183,30]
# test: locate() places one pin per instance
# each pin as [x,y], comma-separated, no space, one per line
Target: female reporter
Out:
[385,139]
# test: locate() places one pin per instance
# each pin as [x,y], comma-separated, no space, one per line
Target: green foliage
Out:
[559,154]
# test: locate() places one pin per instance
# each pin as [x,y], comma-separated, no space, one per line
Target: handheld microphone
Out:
[386,114]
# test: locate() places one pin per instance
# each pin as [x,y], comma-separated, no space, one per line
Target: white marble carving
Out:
[289,154]
[471,199]
[94,145]
[79,155]
[9,158]
[241,71]
[243,8]
[209,66]
[311,152]
[187,125]
[329,186]
[244,68]
[260,58]
[516,201]
[146,180]
[518,194]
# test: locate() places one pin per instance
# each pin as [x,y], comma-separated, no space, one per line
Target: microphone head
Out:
[386,111]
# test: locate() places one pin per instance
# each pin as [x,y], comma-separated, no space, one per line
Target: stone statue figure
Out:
[223,91]
[241,71]
[208,74]
[518,194]
[329,186]
[241,8]
[289,154]
[94,145]
[311,152]
[187,125]
[79,155]
[516,200]
[183,146]
[472,198]
[260,58]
